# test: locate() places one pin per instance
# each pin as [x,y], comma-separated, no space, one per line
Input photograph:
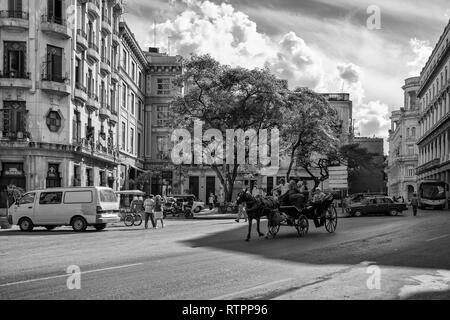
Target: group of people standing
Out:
[152,207]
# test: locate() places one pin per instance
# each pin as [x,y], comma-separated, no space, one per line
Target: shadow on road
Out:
[384,247]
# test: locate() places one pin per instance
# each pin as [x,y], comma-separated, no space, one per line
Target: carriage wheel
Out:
[273,230]
[302,225]
[331,219]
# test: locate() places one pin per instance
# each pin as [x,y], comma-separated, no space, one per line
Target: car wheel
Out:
[197,209]
[358,213]
[25,224]
[393,212]
[79,224]
[49,228]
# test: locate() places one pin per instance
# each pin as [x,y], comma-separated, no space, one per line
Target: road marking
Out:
[436,238]
[249,289]
[66,275]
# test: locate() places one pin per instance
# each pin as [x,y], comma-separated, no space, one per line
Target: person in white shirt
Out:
[149,204]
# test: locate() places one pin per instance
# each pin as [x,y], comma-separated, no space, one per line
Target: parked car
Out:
[188,204]
[78,207]
[375,205]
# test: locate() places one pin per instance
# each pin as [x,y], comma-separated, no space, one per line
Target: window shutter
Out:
[50,9]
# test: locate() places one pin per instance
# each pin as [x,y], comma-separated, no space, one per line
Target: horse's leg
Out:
[257,227]
[250,221]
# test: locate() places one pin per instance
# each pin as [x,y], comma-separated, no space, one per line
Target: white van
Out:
[78,207]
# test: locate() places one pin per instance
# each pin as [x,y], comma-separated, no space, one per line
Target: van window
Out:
[78,196]
[27,198]
[107,195]
[50,198]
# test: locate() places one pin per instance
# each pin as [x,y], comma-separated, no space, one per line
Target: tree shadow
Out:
[322,248]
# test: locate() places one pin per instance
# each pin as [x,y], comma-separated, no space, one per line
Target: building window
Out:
[132,104]
[162,144]
[102,178]
[76,127]
[53,121]
[76,176]
[53,176]
[410,171]
[163,86]
[410,150]
[89,178]
[131,140]
[13,117]
[15,8]
[139,144]
[123,135]
[162,115]
[15,59]
[124,60]
[139,111]
[413,131]
[133,71]
[124,96]
[54,64]
[54,11]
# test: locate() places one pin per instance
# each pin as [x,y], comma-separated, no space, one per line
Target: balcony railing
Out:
[82,33]
[15,74]
[14,14]
[53,19]
[92,45]
[93,96]
[54,77]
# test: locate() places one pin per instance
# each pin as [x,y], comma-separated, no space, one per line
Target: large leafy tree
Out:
[310,133]
[225,97]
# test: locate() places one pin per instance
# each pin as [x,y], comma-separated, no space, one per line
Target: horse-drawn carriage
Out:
[294,211]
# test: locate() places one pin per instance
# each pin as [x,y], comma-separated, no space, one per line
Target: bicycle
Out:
[132,219]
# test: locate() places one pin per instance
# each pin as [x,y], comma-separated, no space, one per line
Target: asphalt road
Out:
[376,257]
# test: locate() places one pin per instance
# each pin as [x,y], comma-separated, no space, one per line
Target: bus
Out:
[432,194]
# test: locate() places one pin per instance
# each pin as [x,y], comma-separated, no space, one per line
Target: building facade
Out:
[403,151]
[372,178]
[434,96]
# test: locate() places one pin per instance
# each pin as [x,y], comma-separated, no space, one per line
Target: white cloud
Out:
[232,38]
[372,118]
[422,52]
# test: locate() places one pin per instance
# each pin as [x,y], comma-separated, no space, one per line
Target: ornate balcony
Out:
[92,102]
[80,93]
[82,43]
[93,8]
[115,75]
[106,25]
[92,53]
[55,26]
[14,20]
[104,112]
[12,79]
[105,66]
[114,119]
[115,38]
[55,84]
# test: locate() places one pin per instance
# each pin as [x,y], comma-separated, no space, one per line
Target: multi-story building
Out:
[63,103]
[371,178]
[403,151]
[344,107]
[434,96]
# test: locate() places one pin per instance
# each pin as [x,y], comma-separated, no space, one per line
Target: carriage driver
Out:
[317,200]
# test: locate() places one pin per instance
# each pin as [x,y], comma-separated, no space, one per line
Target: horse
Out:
[256,209]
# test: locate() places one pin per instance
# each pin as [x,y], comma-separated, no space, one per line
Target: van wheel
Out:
[100,226]
[79,224]
[26,224]
[393,212]
[49,228]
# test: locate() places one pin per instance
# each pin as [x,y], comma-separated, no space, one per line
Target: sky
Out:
[366,48]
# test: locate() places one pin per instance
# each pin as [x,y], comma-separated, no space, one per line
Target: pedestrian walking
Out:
[149,205]
[158,211]
[211,201]
[242,211]
[414,204]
